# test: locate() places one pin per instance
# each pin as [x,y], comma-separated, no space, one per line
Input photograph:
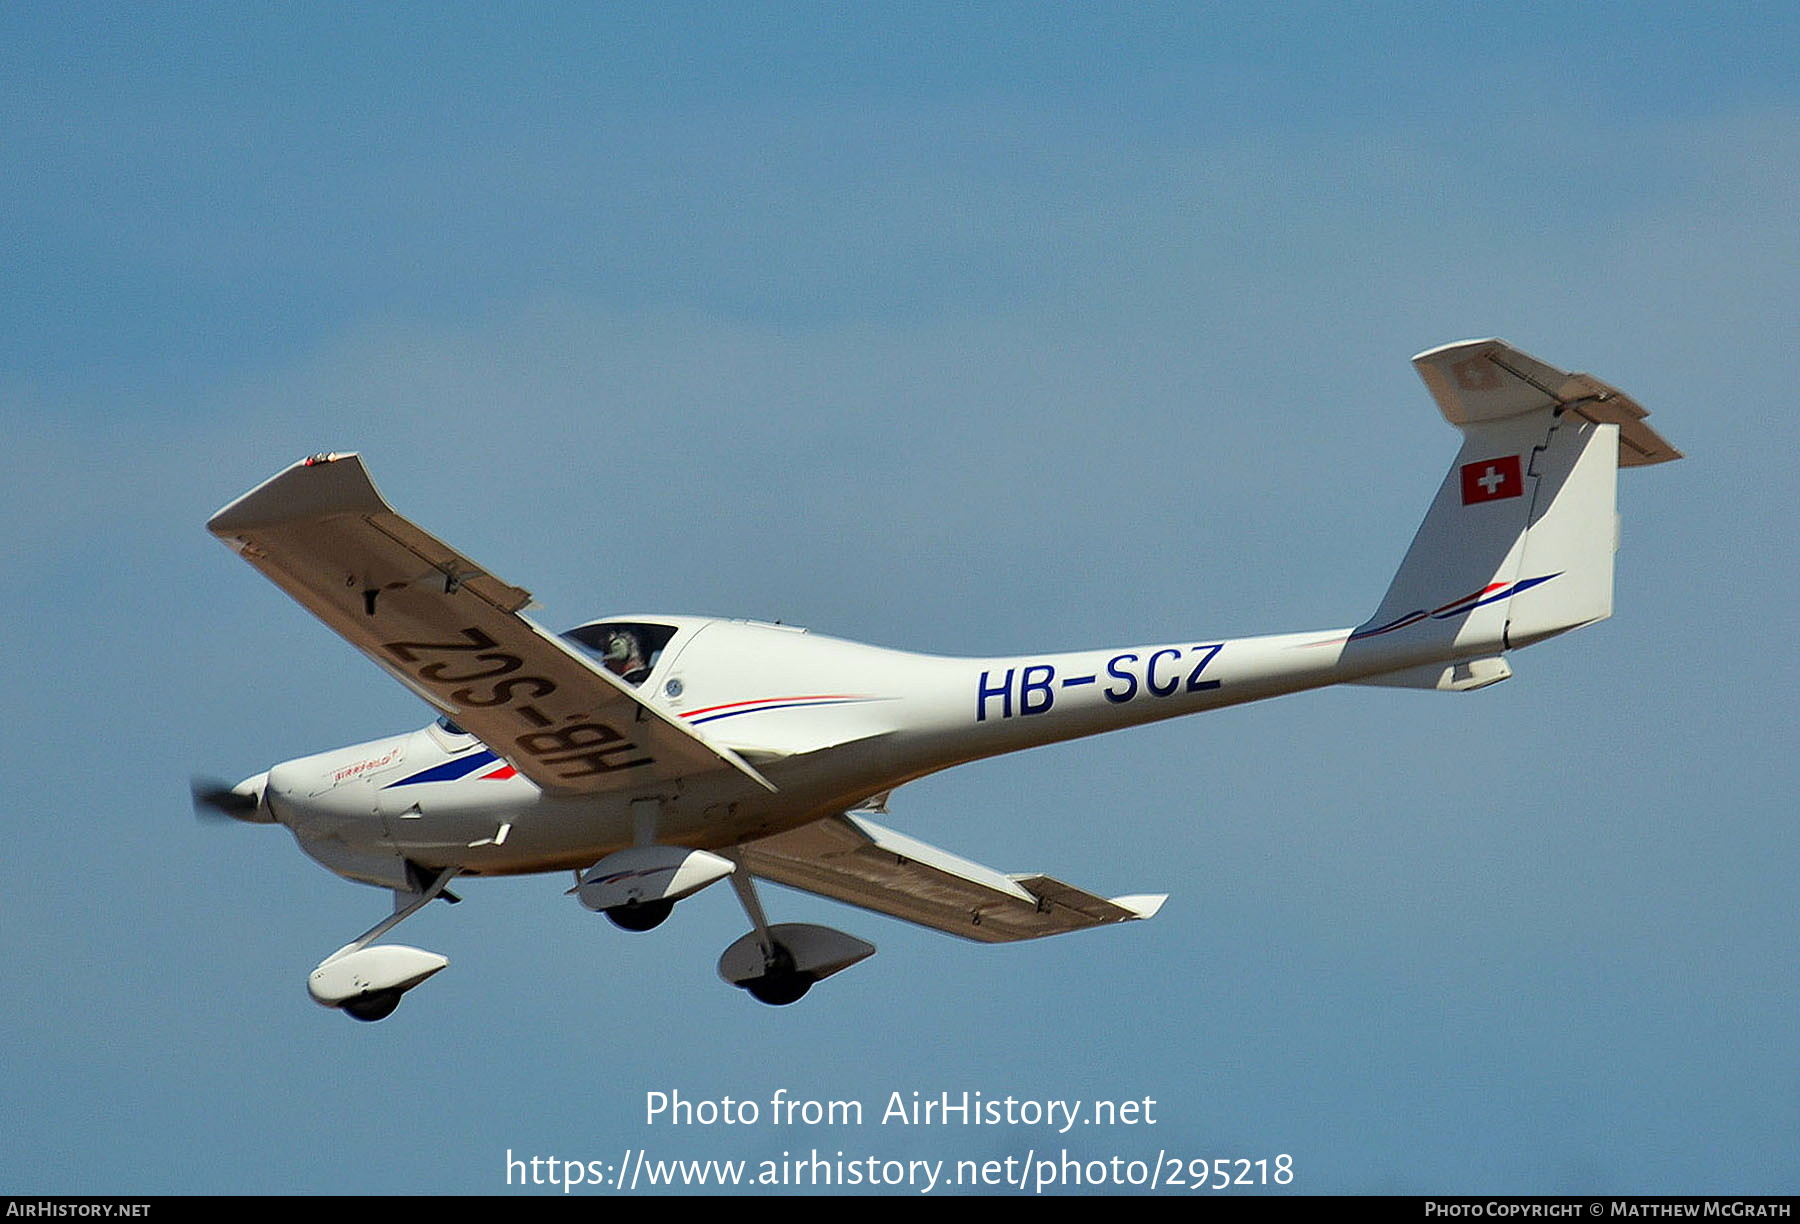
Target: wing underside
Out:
[852,859]
[450,631]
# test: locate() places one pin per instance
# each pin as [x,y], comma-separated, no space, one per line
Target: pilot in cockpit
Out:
[625,657]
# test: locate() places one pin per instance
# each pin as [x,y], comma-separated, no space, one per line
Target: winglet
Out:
[296,493]
[1144,905]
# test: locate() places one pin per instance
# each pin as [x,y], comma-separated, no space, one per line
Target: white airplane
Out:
[655,755]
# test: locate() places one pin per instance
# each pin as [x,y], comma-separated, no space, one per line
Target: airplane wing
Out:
[451,632]
[852,859]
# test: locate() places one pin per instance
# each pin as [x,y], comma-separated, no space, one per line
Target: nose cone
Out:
[321,796]
[287,789]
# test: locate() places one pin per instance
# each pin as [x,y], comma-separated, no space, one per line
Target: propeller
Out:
[216,800]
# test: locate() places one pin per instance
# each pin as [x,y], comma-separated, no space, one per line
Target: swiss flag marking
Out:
[1491,480]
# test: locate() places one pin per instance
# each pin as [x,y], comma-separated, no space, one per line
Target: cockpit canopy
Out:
[627,649]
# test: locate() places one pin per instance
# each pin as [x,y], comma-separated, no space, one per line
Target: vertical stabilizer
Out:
[1518,543]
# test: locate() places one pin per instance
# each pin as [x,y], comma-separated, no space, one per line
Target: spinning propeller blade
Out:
[216,800]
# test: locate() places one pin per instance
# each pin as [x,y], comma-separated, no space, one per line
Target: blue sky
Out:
[962,329]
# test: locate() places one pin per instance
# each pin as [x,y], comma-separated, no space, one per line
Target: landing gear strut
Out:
[778,964]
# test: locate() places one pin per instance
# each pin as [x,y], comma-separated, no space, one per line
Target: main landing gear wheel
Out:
[780,989]
[640,915]
[778,964]
[371,1007]
[780,983]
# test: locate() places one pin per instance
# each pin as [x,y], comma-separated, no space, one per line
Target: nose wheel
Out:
[364,979]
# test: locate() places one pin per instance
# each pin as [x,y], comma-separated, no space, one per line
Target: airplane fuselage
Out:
[829,722]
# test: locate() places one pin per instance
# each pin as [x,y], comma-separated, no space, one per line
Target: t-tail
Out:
[1518,544]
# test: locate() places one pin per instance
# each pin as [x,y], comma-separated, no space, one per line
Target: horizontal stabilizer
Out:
[852,859]
[1478,381]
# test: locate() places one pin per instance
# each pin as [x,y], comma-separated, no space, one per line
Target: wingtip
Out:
[1144,905]
[1456,345]
[330,482]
